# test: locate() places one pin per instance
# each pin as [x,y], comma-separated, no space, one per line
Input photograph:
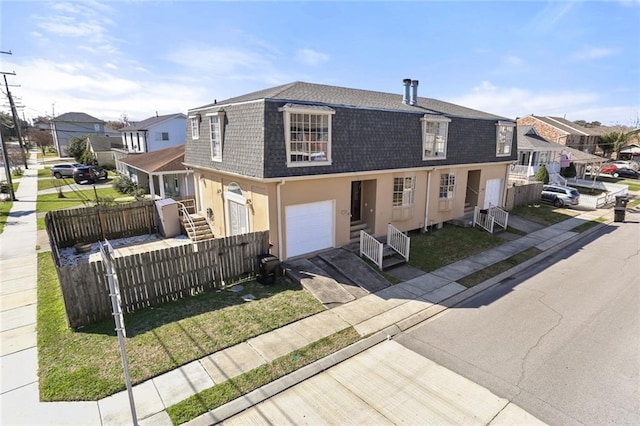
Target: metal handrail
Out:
[185,213]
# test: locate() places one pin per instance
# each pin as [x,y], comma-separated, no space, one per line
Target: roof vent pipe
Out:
[407,89]
[414,93]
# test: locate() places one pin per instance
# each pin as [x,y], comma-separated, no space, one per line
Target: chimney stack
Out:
[414,93]
[407,89]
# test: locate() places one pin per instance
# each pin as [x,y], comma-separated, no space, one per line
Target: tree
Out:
[614,141]
[569,172]
[76,147]
[41,138]
[542,175]
[118,124]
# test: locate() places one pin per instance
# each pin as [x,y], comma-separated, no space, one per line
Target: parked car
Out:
[627,164]
[64,169]
[608,168]
[90,174]
[625,172]
[560,195]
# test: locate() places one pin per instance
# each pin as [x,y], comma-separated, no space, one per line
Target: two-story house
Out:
[71,125]
[308,161]
[563,132]
[152,134]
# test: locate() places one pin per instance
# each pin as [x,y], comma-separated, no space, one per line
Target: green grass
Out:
[432,250]
[54,183]
[46,172]
[543,214]
[83,198]
[588,225]
[231,389]
[498,268]
[5,208]
[86,365]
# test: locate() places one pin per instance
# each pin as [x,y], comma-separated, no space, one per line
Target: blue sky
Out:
[580,60]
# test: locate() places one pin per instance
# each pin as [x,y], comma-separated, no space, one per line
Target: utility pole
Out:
[16,122]
[7,169]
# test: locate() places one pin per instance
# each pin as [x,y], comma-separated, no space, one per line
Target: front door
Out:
[356,200]
[493,192]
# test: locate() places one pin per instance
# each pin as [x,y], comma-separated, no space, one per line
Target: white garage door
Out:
[309,227]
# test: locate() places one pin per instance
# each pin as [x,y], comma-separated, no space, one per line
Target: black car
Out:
[625,172]
[90,174]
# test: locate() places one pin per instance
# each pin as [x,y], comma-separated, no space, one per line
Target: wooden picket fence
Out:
[92,224]
[522,195]
[156,277]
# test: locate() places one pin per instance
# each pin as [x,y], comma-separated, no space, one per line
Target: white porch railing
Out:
[500,215]
[483,219]
[398,241]
[371,248]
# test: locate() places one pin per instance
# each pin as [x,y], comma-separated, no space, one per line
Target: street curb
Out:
[271,389]
[267,391]
[432,311]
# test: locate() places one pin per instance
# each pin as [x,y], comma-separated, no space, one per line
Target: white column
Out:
[161,183]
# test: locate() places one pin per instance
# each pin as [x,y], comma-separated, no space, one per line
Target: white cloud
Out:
[594,53]
[515,102]
[513,60]
[311,57]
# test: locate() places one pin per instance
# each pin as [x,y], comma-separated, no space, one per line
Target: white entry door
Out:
[309,227]
[237,219]
[492,193]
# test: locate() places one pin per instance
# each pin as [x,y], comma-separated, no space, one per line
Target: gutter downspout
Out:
[278,202]
[426,210]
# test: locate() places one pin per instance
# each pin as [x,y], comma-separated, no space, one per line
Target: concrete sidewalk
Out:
[380,314]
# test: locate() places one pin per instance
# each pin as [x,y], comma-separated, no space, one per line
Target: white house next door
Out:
[493,192]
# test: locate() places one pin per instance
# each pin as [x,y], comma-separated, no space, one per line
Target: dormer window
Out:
[216,122]
[307,131]
[435,130]
[195,127]
[504,137]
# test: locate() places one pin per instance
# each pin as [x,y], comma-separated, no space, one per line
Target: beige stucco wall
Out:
[377,196]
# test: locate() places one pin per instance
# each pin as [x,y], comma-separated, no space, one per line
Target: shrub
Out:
[542,175]
[17,171]
[569,172]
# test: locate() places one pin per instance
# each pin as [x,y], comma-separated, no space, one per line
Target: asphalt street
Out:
[561,340]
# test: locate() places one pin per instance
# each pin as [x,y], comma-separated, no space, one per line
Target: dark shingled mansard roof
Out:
[301,92]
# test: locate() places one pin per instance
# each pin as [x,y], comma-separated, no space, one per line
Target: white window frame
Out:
[160,136]
[216,138]
[289,112]
[430,142]
[233,198]
[404,190]
[195,127]
[447,186]
[504,138]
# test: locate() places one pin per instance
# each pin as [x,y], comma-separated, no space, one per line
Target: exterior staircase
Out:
[196,227]
[356,227]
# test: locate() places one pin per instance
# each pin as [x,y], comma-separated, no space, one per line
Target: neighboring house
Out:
[152,134]
[534,150]
[313,163]
[161,172]
[563,132]
[73,124]
[630,152]
[101,148]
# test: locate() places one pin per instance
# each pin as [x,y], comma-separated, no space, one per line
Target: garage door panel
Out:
[309,227]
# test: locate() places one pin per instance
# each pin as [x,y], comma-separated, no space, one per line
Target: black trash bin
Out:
[269,268]
[618,214]
[621,201]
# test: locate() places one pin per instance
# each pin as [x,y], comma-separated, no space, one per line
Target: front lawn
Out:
[440,247]
[54,183]
[86,365]
[83,198]
[544,214]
